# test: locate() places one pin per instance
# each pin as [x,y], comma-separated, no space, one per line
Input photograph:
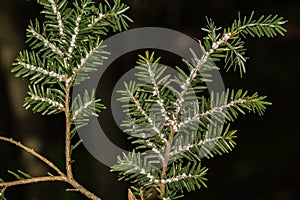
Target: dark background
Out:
[264,165]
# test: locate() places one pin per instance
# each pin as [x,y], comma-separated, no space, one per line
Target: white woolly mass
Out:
[58,17]
[43,71]
[216,109]
[149,119]
[196,69]
[46,42]
[74,36]
[50,101]
[101,16]
[173,179]
[182,149]
[81,110]
[87,56]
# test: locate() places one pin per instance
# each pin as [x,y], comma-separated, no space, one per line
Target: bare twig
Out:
[34,153]
[61,176]
[68,133]
[32,180]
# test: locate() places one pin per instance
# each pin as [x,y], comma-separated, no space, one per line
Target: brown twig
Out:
[32,180]
[61,176]
[34,153]
[82,189]
[68,133]
[166,160]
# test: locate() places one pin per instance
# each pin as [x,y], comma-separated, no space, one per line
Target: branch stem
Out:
[82,189]
[165,162]
[68,133]
[205,57]
[33,180]
[34,153]
[61,176]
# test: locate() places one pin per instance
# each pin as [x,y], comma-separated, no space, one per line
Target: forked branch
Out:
[61,177]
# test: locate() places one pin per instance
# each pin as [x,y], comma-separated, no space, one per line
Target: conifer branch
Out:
[183,149]
[45,41]
[74,36]
[79,73]
[196,69]
[225,109]
[58,17]
[172,144]
[82,109]
[76,30]
[53,103]
[60,58]
[190,129]
[264,26]
[42,71]
[146,116]
[117,10]
[176,178]
[156,92]
[98,18]
[46,102]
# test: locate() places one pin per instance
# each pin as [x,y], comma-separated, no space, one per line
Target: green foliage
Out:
[174,125]
[59,56]
[48,101]
[84,107]
[57,59]
[2,197]
[230,45]
[60,48]
[19,175]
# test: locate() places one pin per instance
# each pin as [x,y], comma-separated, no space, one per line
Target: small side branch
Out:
[31,180]
[46,42]
[41,70]
[98,18]
[58,17]
[197,68]
[214,110]
[156,92]
[32,152]
[60,178]
[63,178]
[146,116]
[74,36]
